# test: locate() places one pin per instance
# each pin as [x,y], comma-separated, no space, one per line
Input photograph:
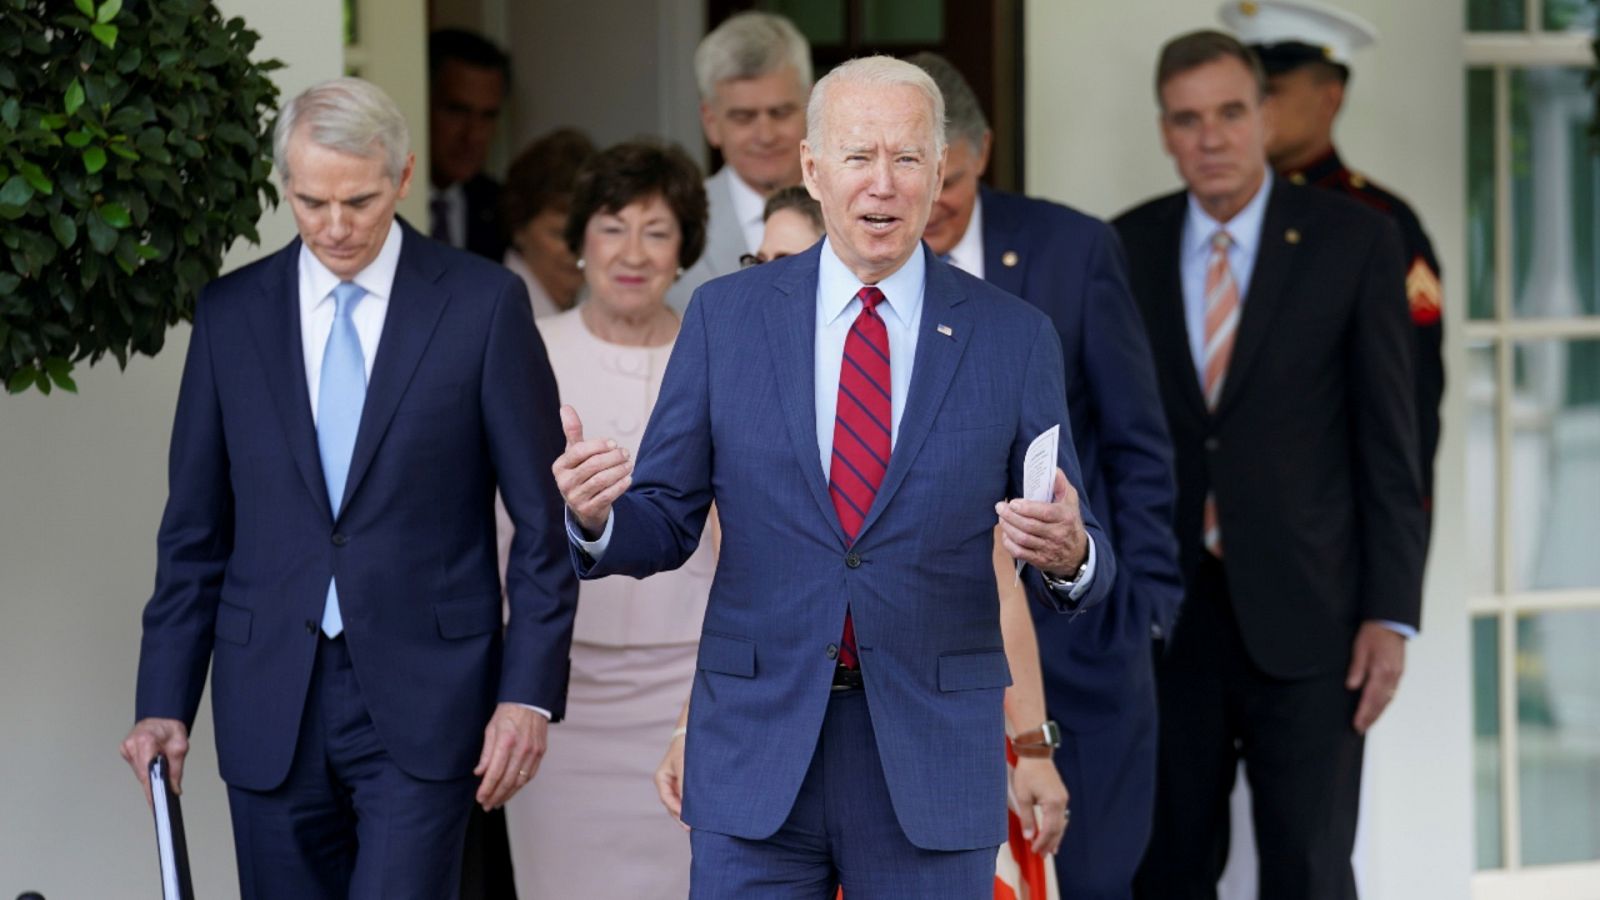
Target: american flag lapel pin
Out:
[946,330]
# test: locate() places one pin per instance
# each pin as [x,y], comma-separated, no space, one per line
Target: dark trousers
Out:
[1301,755]
[1111,779]
[841,832]
[347,822]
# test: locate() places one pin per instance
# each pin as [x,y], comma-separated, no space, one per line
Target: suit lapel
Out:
[1170,330]
[1000,238]
[938,356]
[1275,252]
[414,308]
[792,332]
[275,323]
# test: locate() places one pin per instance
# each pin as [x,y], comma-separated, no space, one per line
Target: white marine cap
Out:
[1264,23]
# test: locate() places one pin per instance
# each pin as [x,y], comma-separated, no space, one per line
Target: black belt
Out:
[847,679]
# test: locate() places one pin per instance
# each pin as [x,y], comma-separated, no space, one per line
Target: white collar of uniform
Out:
[377,279]
[1244,228]
[902,290]
[748,204]
[967,254]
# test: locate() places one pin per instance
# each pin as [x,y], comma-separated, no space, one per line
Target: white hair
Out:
[349,115]
[879,71]
[750,45]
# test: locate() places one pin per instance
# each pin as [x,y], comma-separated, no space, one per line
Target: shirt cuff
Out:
[538,709]
[1076,589]
[593,549]
[1400,628]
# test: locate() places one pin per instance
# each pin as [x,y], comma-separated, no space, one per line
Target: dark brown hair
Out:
[797,198]
[1195,49]
[636,170]
[542,176]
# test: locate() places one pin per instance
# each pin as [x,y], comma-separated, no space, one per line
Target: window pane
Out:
[1558,734]
[1496,15]
[1486,737]
[1480,193]
[821,21]
[902,21]
[1483,471]
[1554,182]
[1569,15]
[1555,463]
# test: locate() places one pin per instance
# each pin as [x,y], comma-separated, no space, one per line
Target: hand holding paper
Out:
[1044,528]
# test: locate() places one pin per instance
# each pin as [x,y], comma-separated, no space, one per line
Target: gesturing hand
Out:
[591,475]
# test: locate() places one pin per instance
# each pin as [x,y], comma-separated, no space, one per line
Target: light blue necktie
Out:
[340,396]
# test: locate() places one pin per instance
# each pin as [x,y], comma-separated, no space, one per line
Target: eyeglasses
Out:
[755,259]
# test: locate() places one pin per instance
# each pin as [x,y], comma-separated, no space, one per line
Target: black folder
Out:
[171,849]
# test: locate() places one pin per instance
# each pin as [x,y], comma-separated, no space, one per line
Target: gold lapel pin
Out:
[946,330]
[1009,259]
[1292,235]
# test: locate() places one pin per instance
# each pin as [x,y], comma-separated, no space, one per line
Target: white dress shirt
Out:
[967,254]
[748,205]
[317,307]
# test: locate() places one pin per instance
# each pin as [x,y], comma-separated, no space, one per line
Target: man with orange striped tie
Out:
[1278,319]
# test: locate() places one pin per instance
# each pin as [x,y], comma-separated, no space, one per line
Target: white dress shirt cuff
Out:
[538,709]
[1400,628]
[593,549]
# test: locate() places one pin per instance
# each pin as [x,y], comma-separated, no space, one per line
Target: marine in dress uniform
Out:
[1305,48]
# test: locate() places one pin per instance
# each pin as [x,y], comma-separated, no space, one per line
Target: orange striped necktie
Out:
[1222,323]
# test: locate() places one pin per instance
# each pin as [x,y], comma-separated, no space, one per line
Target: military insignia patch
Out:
[1423,293]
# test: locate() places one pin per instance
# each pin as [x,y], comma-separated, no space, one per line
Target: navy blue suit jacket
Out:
[461,400]
[736,424]
[1070,266]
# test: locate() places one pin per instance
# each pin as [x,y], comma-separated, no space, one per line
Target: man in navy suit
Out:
[859,413]
[1098,675]
[348,407]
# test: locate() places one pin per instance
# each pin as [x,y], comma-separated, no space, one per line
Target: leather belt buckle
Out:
[847,679]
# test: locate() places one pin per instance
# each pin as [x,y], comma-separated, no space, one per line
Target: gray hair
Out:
[348,115]
[965,118]
[750,45]
[881,71]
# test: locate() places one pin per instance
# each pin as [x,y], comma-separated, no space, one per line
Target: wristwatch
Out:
[1039,743]
[1066,584]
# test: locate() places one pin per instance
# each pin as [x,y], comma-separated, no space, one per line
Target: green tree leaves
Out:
[134,150]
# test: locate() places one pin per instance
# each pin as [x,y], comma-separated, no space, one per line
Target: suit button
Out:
[852,559]
[311,627]
[340,539]
[1213,444]
[833,651]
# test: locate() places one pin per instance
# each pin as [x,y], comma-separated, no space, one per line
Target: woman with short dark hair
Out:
[534,204]
[587,826]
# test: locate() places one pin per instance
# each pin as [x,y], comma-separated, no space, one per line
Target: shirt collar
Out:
[967,254]
[1244,228]
[748,204]
[902,290]
[377,279]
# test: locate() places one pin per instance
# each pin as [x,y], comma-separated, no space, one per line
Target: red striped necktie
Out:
[861,424]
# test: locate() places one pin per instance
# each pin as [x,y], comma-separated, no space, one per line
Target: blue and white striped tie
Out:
[341,394]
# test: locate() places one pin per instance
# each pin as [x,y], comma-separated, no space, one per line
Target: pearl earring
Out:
[580,262]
